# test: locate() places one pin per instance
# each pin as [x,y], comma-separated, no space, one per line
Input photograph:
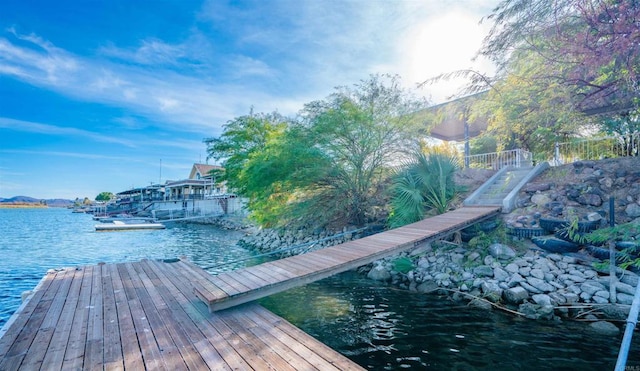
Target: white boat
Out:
[118,225]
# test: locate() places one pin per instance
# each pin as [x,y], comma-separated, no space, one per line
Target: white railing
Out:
[595,149]
[498,160]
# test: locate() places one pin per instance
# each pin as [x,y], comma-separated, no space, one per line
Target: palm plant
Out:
[423,185]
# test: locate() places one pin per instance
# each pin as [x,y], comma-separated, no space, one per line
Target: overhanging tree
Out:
[589,46]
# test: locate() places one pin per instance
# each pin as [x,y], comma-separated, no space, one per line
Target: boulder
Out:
[591,287]
[541,299]
[535,311]
[500,251]
[540,285]
[379,273]
[480,303]
[491,291]
[540,199]
[604,328]
[427,287]
[512,268]
[500,274]
[515,295]
[632,210]
[537,273]
[570,297]
[483,271]
[536,187]
[594,217]
[623,298]
[515,280]
[590,199]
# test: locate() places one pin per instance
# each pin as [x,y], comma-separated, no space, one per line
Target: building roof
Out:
[203,170]
[447,119]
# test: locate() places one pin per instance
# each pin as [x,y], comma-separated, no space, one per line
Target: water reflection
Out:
[380,327]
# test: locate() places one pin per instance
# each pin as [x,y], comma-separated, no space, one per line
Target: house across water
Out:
[200,195]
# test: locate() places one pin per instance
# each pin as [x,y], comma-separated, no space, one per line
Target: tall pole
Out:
[160,178]
[466,142]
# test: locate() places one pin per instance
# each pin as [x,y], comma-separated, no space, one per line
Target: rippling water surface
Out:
[377,326]
[383,328]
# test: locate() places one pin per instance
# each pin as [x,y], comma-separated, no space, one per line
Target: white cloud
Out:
[39,128]
[325,44]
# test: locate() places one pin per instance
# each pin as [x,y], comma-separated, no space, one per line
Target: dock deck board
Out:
[146,316]
[242,285]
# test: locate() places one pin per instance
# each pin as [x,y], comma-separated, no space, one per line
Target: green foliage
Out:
[242,138]
[425,184]
[625,232]
[329,166]
[483,240]
[105,196]
[403,265]
[483,144]
[527,110]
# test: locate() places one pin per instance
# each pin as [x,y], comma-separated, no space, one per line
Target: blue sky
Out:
[108,95]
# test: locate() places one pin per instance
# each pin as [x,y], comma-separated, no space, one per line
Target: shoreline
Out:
[23,206]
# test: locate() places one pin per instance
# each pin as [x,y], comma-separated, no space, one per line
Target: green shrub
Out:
[403,265]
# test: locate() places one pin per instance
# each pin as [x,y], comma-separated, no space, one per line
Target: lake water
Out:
[377,326]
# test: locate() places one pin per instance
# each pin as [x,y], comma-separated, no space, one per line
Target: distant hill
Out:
[25,200]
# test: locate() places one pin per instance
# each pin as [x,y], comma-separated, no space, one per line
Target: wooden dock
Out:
[229,289]
[145,316]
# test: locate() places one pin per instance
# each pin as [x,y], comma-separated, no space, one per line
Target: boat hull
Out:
[110,227]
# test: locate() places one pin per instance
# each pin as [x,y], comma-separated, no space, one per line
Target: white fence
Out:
[595,149]
[498,160]
[564,153]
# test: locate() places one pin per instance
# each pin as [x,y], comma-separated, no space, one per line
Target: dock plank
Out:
[132,356]
[74,353]
[94,346]
[54,356]
[149,348]
[38,349]
[23,337]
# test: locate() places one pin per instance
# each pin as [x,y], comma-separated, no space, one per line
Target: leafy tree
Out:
[626,126]
[361,132]
[105,196]
[329,167]
[483,144]
[528,110]
[243,137]
[589,46]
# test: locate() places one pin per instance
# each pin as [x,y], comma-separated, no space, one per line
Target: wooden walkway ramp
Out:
[145,316]
[229,289]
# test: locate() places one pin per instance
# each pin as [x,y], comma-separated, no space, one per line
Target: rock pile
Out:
[270,240]
[583,188]
[536,284]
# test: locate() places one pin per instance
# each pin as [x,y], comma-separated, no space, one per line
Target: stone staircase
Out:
[503,187]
